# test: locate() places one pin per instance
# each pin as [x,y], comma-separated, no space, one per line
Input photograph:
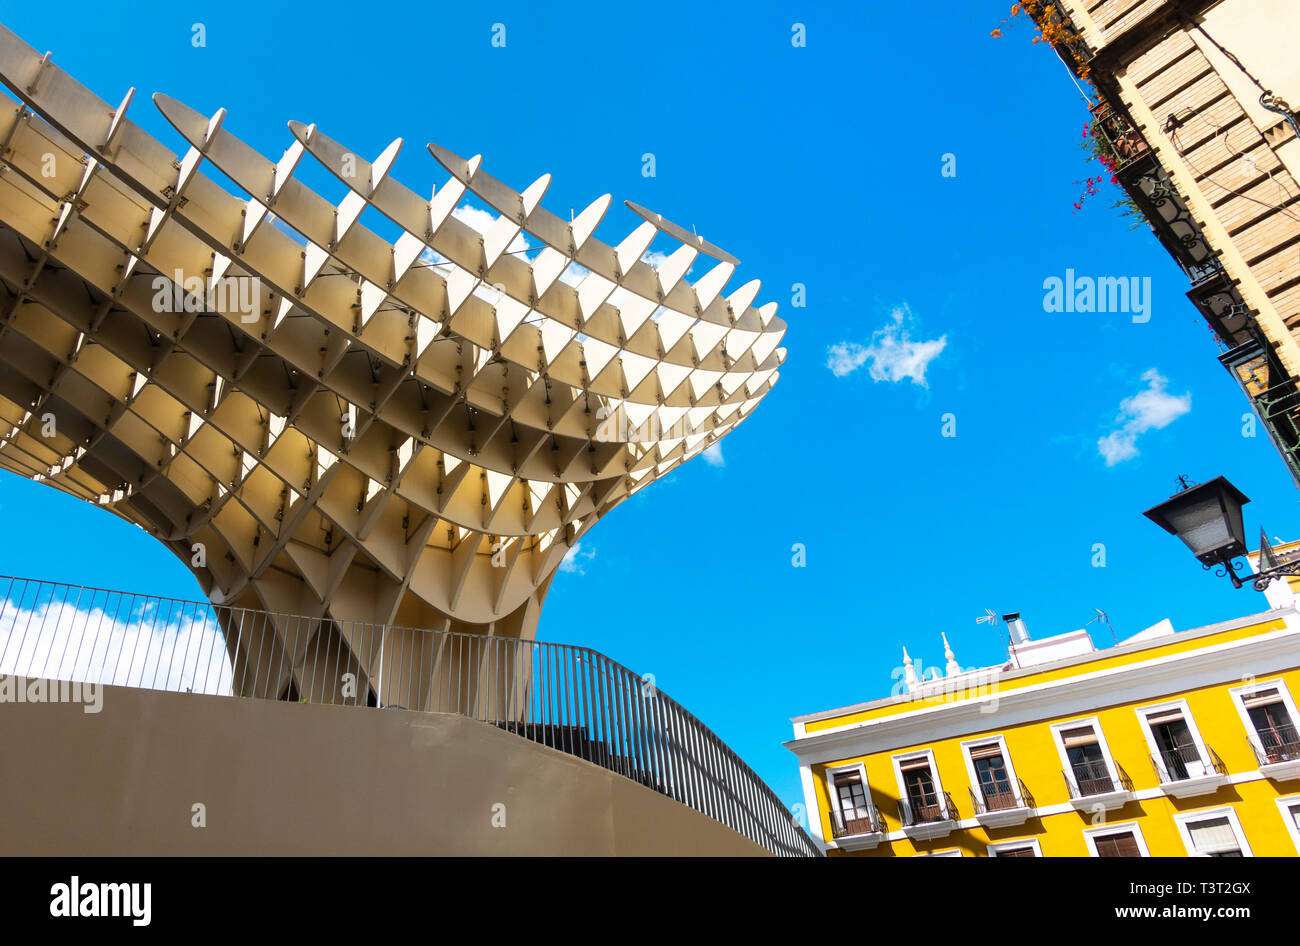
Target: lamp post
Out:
[1207,518]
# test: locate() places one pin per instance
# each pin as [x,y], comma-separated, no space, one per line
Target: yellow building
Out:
[1166,744]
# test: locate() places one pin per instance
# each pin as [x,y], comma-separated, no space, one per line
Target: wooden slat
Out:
[1224,150]
[1249,203]
[1277,272]
[1265,237]
[1189,71]
[1160,57]
[1132,18]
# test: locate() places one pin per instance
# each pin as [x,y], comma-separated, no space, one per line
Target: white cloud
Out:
[1153,408]
[573,561]
[478,220]
[892,354]
[713,456]
[137,645]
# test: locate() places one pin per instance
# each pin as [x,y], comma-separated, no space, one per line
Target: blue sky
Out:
[819,166]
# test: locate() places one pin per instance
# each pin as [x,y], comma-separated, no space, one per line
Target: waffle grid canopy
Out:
[323,421]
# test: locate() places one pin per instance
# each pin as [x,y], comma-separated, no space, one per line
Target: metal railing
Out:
[569,698]
[1184,762]
[1086,779]
[926,809]
[985,801]
[860,821]
[1125,142]
[1277,744]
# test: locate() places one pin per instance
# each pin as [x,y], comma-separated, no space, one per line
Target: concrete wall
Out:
[289,778]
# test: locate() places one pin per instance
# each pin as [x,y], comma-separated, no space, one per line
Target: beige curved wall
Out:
[288,778]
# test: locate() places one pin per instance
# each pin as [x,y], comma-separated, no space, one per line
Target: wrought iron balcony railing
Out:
[1186,762]
[1125,142]
[1277,744]
[986,802]
[1087,779]
[930,808]
[572,699]
[859,821]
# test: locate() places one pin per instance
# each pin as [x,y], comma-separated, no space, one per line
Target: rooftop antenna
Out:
[1105,619]
[990,617]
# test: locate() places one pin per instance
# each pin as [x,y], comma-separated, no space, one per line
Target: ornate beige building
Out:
[1194,110]
[362,411]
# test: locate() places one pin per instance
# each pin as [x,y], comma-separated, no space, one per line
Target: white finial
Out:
[909,672]
[952,668]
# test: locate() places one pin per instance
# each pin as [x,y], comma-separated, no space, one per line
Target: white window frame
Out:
[1239,695]
[934,773]
[1144,722]
[1006,759]
[833,795]
[1184,819]
[1284,806]
[1090,836]
[1023,842]
[1109,759]
[947,852]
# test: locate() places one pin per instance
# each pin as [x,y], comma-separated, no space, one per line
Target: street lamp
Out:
[1207,518]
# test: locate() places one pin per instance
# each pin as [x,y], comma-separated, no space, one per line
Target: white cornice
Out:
[1128,647]
[1228,661]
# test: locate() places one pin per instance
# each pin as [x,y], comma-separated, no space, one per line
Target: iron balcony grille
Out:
[1277,744]
[1086,779]
[1184,762]
[985,801]
[1125,142]
[926,808]
[858,821]
[572,699]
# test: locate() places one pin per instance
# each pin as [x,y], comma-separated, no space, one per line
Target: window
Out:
[1087,760]
[852,807]
[919,789]
[1025,848]
[1214,833]
[1214,838]
[1116,840]
[992,779]
[1274,727]
[1269,714]
[924,808]
[1121,844]
[1289,809]
[1177,752]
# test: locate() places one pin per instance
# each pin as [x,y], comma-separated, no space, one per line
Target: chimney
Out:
[1016,627]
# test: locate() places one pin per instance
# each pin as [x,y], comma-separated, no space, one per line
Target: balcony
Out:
[859,830]
[1002,809]
[1278,752]
[1125,142]
[928,817]
[1091,783]
[1186,771]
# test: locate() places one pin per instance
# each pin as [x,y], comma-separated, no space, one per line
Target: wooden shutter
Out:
[1117,845]
[1214,836]
[1262,698]
[1084,736]
[1165,716]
